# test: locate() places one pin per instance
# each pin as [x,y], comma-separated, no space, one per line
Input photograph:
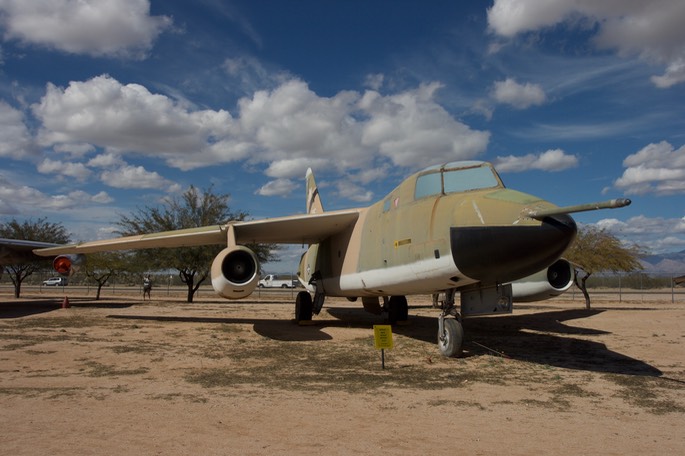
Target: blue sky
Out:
[109,105]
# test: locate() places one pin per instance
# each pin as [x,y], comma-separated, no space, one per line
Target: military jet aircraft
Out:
[452,228]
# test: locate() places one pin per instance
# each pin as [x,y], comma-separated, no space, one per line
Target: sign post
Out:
[382,336]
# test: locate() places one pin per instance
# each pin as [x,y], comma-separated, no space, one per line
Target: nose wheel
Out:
[450,330]
[450,337]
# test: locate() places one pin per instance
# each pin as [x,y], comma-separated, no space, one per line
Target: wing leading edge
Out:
[304,229]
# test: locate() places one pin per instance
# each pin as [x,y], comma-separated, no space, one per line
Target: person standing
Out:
[147,287]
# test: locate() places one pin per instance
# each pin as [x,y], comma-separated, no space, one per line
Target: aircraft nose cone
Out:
[505,253]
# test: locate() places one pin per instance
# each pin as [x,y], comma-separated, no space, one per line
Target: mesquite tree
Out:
[30,230]
[596,250]
[193,209]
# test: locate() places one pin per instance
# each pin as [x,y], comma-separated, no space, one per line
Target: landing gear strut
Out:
[450,331]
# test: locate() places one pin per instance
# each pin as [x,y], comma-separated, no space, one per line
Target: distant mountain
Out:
[666,263]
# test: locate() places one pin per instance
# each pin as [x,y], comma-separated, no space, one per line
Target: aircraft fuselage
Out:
[442,228]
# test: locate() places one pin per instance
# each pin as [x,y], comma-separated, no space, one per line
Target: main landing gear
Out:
[398,309]
[450,331]
[304,308]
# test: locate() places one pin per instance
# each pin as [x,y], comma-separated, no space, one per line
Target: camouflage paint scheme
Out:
[404,244]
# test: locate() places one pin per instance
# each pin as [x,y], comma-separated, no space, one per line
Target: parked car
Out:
[55,281]
[274,281]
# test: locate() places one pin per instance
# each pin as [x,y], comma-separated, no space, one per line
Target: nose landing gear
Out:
[450,330]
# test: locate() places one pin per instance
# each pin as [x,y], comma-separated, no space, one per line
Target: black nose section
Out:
[506,253]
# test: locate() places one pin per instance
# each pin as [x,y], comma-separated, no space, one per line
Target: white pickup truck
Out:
[274,281]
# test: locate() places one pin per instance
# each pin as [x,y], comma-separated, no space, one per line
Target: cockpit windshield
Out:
[446,180]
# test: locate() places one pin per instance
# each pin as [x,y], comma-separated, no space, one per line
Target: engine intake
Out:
[545,284]
[66,265]
[234,272]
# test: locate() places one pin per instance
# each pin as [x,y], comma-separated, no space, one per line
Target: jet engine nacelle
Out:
[66,265]
[234,272]
[545,284]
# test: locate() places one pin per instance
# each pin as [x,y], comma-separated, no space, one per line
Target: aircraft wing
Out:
[296,229]
[20,251]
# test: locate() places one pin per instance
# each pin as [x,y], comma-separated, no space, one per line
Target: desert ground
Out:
[123,376]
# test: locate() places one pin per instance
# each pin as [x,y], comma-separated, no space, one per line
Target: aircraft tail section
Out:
[314,205]
[308,263]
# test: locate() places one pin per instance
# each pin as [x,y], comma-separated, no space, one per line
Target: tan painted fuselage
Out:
[401,244]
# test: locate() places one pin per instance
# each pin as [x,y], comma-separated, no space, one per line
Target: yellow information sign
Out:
[382,335]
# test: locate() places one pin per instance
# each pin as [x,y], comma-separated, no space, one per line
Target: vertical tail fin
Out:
[314,205]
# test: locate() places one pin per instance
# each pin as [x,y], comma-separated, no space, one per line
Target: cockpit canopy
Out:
[456,177]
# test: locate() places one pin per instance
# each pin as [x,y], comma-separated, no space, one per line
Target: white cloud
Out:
[129,118]
[136,177]
[656,234]
[296,167]
[520,96]
[675,74]
[102,198]
[374,81]
[286,129]
[77,171]
[122,28]
[106,160]
[656,168]
[413,131]
[551,160]
[292,122]
[278,187]
[651,30]
[74,150]
[15,139]
[354,192]
[30,199]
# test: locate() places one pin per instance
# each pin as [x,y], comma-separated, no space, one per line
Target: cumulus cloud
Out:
[106,160]
[656,168]
[286,129]
[106,113]
[77,171]
[354,192]
[15,140]
[656,234]
[651,30]
[290,168]
[13,197]
[520,96]
[122,28]
[551,160]
[136,177]
[278,187]
[412,130]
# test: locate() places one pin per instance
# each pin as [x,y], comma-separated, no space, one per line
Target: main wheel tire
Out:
[303,307]
[398,309]
[450,342]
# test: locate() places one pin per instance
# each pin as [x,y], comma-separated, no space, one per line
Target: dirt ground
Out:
[119,376]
